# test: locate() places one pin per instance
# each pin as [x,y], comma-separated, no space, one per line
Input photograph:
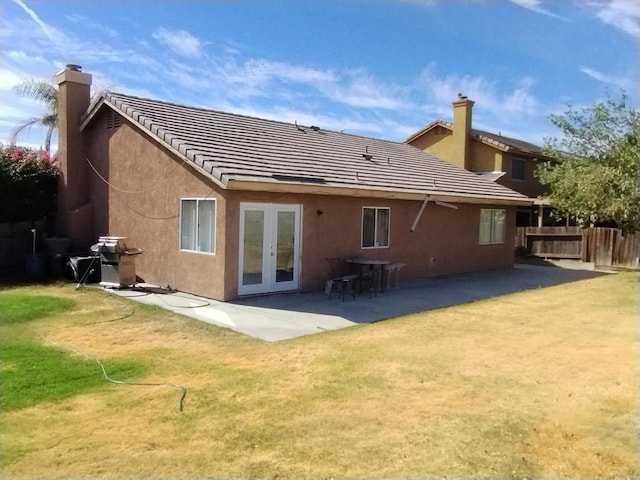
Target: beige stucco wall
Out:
[485,158]
[445,241]
[530,186]
[438,145]
[147,212]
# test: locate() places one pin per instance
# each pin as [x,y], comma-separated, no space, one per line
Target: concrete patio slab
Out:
[284,316]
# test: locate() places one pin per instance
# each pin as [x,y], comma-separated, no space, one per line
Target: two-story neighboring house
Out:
[507,161]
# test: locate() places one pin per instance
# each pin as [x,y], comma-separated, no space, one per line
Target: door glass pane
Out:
[252,247]
[285,246]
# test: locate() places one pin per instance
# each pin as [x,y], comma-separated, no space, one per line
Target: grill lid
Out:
[112,244]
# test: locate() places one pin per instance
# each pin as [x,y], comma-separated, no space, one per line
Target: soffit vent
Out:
[114,120]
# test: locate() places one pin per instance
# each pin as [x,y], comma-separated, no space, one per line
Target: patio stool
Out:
[370,281]
[340,284]
[392,275]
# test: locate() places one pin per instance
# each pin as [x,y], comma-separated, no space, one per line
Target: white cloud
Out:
[22,57]
[350,123]
[9,79]
[21,110]
[284,71]
[535,6]
[624,83]
[356,87]
[354,100]
[441,91]
[179,41]
[510,110]
[360,89]
[65,47]
[185,79]
[52,33]
[622,14]
[88,23]
[520,100]
[260,74]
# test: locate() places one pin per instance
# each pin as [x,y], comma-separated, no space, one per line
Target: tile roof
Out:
[507,143]
[491,176]
[233,148]
[495,139]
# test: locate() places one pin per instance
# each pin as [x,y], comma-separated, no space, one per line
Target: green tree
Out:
[47,94]
[595,175]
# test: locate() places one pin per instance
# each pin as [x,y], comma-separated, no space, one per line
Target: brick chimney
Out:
[75,211]
[462,113]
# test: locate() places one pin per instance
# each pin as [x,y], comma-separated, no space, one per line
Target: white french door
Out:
[269,257]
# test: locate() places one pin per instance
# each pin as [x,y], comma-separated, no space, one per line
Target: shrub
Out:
[28,184]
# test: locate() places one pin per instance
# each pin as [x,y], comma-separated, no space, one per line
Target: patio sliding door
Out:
[269,257]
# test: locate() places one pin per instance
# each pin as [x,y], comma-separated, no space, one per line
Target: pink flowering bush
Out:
[28,184]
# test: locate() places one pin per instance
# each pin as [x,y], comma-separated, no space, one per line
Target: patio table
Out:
[374,266]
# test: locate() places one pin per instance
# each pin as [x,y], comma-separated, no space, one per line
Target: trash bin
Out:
[35,265]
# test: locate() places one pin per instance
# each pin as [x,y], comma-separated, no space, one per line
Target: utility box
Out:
[117,261]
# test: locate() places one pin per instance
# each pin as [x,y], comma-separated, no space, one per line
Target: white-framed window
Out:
[198,225]
[375,227]
[518,169]
[492,225]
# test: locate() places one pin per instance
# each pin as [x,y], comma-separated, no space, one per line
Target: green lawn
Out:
[33,372]
[539,384]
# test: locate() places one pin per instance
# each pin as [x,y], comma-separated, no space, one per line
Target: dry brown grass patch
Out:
[537,384]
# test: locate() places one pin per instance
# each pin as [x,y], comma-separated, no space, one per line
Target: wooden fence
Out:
[16,241]
[601,246]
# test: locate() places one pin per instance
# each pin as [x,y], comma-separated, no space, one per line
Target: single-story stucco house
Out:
[225,205]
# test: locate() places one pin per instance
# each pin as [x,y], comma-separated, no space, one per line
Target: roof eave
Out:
[492,143]
[91,112]
[368,191]
[425,129]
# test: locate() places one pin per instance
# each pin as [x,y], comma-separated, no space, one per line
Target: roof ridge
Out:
[240,115]
[426,128]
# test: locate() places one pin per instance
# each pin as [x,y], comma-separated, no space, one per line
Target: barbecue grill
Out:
[117,261]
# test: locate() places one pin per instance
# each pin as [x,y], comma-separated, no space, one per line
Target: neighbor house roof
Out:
[241,152]
[506,144]
[491,176]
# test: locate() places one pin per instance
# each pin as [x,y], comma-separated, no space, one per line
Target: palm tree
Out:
[46,94]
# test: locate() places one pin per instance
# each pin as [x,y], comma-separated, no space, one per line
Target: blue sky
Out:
[381,68]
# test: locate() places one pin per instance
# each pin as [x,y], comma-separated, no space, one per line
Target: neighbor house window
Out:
[198,225]
[518,169]
[375,227]
[492,225]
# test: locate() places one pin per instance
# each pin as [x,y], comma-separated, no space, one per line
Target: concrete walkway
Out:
[279,317]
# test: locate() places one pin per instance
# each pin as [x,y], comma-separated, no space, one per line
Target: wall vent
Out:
[114,120]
